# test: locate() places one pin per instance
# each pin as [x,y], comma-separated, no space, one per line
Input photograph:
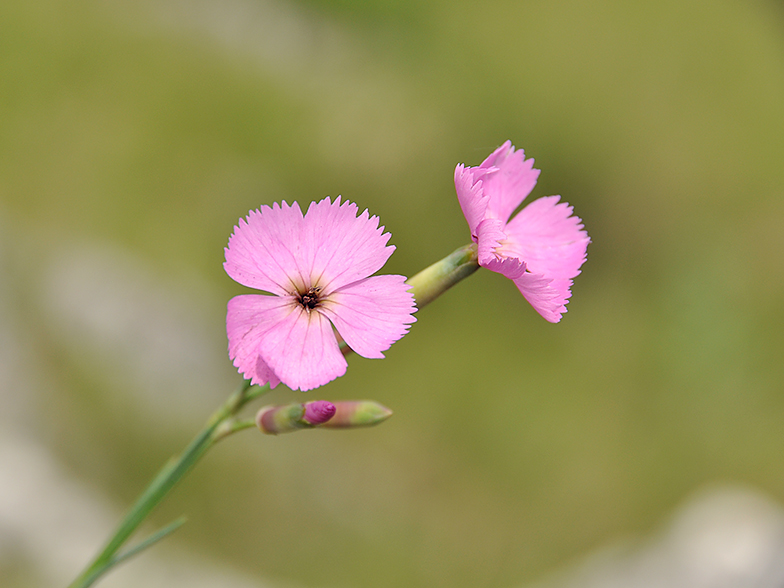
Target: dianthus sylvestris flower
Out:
[541,249]
[316,269]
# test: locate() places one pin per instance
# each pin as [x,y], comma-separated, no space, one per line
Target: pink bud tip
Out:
[319,411]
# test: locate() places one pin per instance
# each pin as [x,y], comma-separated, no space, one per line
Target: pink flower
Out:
[316,267]
[541,249]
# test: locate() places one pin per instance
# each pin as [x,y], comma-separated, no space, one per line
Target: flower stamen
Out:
[310,299]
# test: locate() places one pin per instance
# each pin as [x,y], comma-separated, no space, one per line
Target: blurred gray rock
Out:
[158,338]
[53,525]
[144,331]
[724,537]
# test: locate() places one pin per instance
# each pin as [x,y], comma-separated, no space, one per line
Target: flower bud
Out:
[318,412]
[274,420]
[357,413]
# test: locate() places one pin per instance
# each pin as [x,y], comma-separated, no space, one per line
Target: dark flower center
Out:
[310,299]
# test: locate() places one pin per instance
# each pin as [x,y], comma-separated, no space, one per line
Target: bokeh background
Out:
[134,134]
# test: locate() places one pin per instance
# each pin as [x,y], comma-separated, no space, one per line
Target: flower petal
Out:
[263,250]
[489,235]
[302,350]
[471,196]
[548,297]
[548,238]
[338,247]
[371,314]
[510,183]
[509,267]
[248,320]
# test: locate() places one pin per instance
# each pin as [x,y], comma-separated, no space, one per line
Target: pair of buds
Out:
[274,420]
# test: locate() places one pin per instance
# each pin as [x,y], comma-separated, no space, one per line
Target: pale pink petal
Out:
[489,235]
[248,320]
[497,156]
[264,374]
[512,180]
[509,267]
[339,248]
[302,350]
[471,196]
[263,250]
[371,314]
[548,238]
[548,297]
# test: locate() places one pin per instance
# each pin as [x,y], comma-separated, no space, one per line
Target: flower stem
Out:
[436,279]
[167,478]
[426,286]
[231,426]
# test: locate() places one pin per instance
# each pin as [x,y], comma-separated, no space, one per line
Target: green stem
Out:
[426,286]
[231,426]
[165,480]
[436,279]
[149,542]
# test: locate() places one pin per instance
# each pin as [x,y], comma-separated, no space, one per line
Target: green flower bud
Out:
[357,413]
[274,420]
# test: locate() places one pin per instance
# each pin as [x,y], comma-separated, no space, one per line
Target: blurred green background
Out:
[133,135]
